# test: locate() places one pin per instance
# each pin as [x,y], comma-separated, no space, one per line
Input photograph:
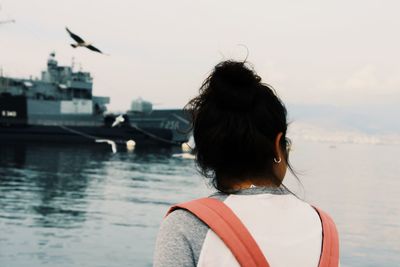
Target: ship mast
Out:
[72,63]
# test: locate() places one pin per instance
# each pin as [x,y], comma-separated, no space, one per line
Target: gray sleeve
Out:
[179,240]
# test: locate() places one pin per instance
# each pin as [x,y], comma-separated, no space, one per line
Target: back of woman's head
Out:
[236,119]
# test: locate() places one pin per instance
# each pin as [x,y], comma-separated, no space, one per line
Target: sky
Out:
[336,53]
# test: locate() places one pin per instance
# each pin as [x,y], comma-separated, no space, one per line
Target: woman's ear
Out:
[278,148]
[280,165]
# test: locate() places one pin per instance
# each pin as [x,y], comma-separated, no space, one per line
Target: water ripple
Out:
[77,206]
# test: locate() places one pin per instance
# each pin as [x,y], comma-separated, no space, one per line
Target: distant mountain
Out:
[377,119]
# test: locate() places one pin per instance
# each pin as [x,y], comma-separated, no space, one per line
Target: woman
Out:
[239,127]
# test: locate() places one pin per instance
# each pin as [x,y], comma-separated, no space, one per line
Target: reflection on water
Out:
[49,182]
[84,206]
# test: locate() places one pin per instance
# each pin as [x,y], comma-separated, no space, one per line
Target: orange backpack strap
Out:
[330,241]
[221,219]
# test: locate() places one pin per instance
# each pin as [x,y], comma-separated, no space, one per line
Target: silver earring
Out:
[277,160]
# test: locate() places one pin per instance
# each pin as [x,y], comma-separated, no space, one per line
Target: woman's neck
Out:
[250,183]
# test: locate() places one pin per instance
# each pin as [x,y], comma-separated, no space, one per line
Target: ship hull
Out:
[25,120]
[174,120]
[85,135]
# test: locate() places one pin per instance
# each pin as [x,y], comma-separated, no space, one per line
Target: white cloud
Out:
[366,85]
[364,79]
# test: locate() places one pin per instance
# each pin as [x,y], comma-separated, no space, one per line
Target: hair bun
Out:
[236,73]
[235,85]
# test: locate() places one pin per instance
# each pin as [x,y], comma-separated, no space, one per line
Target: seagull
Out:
[118,120]
[81,43]
[110,142]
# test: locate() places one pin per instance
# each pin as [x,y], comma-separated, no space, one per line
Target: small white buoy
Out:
[130,145]
[186,148]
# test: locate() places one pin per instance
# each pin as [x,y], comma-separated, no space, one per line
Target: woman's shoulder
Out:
[181,220]
[186,223]
[179,239]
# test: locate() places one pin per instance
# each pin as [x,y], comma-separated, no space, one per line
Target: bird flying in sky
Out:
[81,43]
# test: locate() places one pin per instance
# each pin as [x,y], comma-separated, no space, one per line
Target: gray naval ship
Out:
[60,107]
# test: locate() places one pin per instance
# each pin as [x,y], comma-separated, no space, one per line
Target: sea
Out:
[73,205]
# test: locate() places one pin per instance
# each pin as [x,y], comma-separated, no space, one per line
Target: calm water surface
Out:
[80,206]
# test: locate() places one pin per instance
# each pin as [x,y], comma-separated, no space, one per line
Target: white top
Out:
[287,230]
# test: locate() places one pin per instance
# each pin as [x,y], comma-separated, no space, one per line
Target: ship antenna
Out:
[73,63]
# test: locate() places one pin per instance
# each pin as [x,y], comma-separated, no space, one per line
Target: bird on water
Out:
[81,43]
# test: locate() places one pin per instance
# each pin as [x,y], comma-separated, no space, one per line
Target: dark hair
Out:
[235,120]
